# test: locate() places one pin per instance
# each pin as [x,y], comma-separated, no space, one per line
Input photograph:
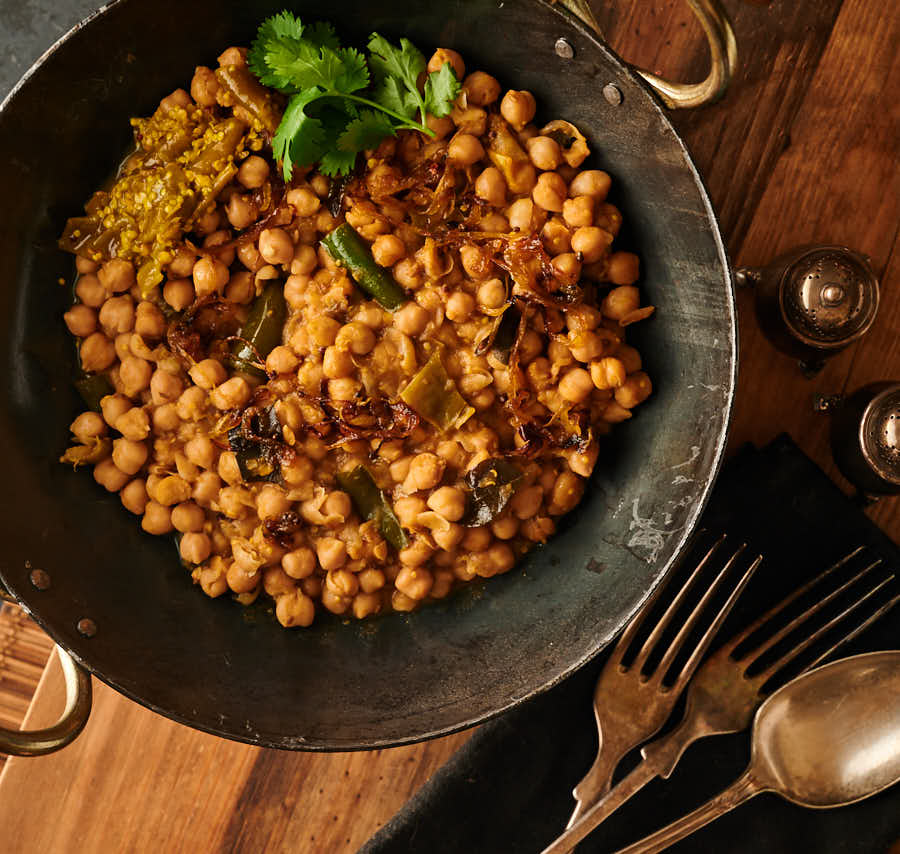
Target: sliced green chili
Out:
[371,504]
[261,333]
[349,249]
[92,388]
[82,455]
[491,485]
[434,396]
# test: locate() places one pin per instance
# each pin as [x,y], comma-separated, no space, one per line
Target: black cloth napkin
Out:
[508,790]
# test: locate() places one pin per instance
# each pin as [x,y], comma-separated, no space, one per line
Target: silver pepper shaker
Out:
[865,437]
[814,301]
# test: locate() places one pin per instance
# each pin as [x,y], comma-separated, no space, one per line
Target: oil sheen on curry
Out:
[358,383]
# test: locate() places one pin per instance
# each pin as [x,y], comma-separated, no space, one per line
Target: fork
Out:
[726,691]
[631,706]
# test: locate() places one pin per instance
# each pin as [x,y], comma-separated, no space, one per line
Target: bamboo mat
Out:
[24,649]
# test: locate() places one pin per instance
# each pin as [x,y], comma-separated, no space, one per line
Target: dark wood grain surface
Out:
[803,148]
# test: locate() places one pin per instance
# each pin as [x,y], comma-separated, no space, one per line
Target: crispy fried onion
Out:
[209,318]
[282,528]
[528,263]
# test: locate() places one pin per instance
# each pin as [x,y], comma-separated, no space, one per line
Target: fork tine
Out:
[791,654]
[767,644]
[700,650]
[856,632]
[740,637]
[648,645]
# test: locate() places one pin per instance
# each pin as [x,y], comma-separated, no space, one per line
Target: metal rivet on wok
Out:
[39,579]
[87,627]
[613,94]
[564,49]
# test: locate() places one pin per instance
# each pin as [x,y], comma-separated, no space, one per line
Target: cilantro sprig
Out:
[342,102]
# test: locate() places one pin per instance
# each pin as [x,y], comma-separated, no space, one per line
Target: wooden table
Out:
[804,148]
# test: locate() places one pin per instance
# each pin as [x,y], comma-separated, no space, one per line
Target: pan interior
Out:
[400,678]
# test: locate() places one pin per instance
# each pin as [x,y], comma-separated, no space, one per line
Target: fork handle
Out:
[626,788]
[742,789]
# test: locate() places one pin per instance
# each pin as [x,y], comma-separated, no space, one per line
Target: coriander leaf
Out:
[300,139]
[407,62]
[441,90]
[392,94]
[365,131]
[322,34]
[335,162]
[283,25]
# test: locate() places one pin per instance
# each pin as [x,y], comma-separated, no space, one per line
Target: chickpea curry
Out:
[358,383]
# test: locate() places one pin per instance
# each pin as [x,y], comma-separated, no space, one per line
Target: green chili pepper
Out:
[92,388]
[491,485]
[82,455]
[434,396]
[349,249]
[261,333]
[371,504]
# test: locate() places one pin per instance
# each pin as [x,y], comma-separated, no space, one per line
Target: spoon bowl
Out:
[828,738]
[832,737]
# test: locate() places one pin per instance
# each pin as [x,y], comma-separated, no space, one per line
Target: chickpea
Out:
[112,406]
[477,539]
[275,246]
[192,404]
[590,182]
[134,424]
[323,330]
[566,267]
[85,265]
[187,516]
[579,211]
[89,290]
[620,302]
[615,413]
[276,583]
[624,268]
[365,604]
[281,361]
[173,489]
[444,55]
[549,192]
[491,294]
[231,394]
[208,221]
[449,502]
[271,502]
[300,563]
[414,582]
[345,388]
[440,127]
[210,276]
[97,352]
[545,154]
[539,373]
[208,373]
[295,609]
[636,389]
[356,337]
[425,472]
[117,276]
[206,488]
[253,173]
[304,201]
[241,211]
[576,386]
[165,387]
[109,476]
[333,602]
[460,306]
[499,558]
[134,497]
[407,509]
[505,528]
[491,186]
[122,345]
[157,519]
[178,293]
[87,427]
[149,321]
[242,581]
[342,583]
[388,249]
[591,243]
[81,320]
[201,451]
[556,237]
[566,493]
[465,149]
[134,374]
[608,373]
[411,319]
[204,86]
[518,108]
[539,529]
[165,418]
[408,273]
[481,89]
[331,552]
[476,261]
[527,501]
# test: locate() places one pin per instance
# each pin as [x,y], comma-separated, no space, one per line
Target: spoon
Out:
[826,739]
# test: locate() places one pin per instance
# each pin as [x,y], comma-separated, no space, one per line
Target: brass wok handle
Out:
[722,53]
[40,742]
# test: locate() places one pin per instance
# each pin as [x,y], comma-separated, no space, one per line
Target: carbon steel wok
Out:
[397,679]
